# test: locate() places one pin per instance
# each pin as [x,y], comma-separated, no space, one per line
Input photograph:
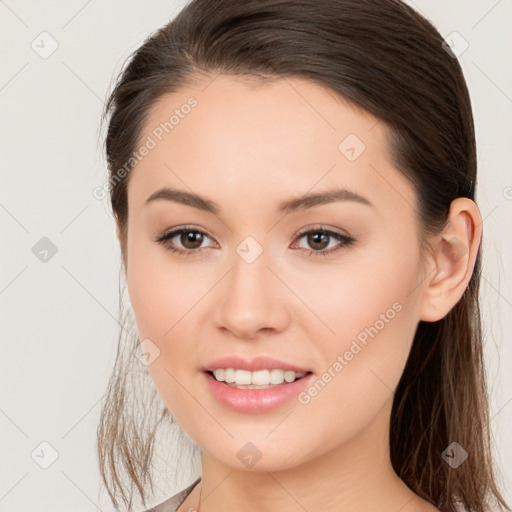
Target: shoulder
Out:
[172,503]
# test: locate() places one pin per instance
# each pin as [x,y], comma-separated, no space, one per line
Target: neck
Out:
[356,476]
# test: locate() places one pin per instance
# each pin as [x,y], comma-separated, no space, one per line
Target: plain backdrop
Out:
[59,327]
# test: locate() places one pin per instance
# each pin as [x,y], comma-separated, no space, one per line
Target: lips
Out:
[253,364]
[255,400]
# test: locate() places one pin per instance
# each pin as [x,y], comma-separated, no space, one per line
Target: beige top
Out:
[172,504]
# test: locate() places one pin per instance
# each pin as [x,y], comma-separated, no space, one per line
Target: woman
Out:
[293,185]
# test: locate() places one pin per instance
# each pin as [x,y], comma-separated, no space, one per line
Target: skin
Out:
[248,147]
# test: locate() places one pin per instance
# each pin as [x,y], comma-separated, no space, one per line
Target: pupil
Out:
[320,240]
[316,239]
[190,237]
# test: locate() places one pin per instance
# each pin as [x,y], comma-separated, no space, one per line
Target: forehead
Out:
[238,139]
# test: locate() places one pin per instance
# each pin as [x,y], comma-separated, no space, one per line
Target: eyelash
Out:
[345,240]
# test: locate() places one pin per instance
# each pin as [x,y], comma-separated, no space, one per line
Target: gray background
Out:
[59,317]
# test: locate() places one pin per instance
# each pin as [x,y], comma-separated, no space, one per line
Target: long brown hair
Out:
[385,58]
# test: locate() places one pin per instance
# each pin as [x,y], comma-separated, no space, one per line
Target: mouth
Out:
[264,391]
[291,378]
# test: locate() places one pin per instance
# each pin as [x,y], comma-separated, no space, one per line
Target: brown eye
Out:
[191,239]
[186,241]
[319,240]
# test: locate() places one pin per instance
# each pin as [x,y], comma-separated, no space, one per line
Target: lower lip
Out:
[255,400]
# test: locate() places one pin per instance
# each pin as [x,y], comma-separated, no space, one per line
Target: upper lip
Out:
[253,364]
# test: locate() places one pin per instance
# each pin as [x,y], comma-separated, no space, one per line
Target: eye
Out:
[191,239]
[320,238]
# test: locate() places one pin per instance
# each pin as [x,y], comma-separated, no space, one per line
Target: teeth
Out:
[257,378]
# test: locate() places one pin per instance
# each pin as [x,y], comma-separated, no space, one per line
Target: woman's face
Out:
[255,285]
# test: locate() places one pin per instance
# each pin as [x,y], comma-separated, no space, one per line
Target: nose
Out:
[251,300]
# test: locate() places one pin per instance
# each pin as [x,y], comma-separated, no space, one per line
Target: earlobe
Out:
[453,258]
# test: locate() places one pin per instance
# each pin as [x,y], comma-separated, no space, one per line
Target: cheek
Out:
[160,292]
[166,297]
[368,320]
[162,298]
[346,297]
[357,319]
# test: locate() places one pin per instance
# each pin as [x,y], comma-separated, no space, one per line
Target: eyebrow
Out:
[289,206]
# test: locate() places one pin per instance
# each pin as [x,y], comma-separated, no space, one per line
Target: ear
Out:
[452,260]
